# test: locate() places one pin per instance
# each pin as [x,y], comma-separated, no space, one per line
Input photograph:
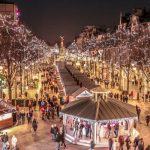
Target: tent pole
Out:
[95,133]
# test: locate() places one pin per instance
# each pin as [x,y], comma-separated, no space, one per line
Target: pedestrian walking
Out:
[14,142]
[136,140]
[62,138]
[138,110]
[110,143]
[108,129]
[4,139]
[57,109]
[58,140]
[147,120]
[7,146]
[141,144]
[52,132]
[148,147]
[128,143]
[28,117]
[34,125]
[116,130]
[56,130]
[81,130]
[121,142]
[92,145]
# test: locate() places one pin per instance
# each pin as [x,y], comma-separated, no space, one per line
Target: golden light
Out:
[1,67]
[78,63]
[26,67]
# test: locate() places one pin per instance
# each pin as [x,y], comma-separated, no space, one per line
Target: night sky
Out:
[51,18]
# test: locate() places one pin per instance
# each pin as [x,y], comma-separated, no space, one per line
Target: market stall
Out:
[72,83]
[5,114]
[96,119]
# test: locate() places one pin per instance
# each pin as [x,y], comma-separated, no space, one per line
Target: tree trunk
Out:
[16,89]
[128,81]
[9,89]
[138,92]
[120,79]
[21,92]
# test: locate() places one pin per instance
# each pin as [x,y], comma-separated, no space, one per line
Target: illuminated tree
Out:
[18,48]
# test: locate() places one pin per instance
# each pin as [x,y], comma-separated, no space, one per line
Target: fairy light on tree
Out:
[18,48]
[124,46]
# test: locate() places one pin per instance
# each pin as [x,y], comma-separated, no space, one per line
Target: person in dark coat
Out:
[109,129]
[56,130]
[128,142]
[136,140]
[147,120]
[58,140]
[81,129]
[110,143]
[28,117]
[92,145]
[62,138]
[141,144]
[116,130]
[39,103]
[52,132]
[138,110]
[14,117]
[34,125]
[57,109]
[148,147]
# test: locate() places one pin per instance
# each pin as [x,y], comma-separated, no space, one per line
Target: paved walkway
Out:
[142,128]
[40,141]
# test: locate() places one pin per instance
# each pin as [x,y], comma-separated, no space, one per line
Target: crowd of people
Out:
[58,135]
[49,109]
[127,143]
[6,145]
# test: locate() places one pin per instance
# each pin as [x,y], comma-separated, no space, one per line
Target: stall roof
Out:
[70,89]
[101,110]
[69,74]
[79,91]
[99,89]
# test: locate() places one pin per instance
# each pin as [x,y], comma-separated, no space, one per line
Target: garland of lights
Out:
[124,46]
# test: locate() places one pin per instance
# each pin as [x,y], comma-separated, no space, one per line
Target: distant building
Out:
[133,19]
[8,7]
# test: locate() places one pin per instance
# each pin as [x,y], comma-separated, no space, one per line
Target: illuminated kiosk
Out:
[96,115]
[100,92]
